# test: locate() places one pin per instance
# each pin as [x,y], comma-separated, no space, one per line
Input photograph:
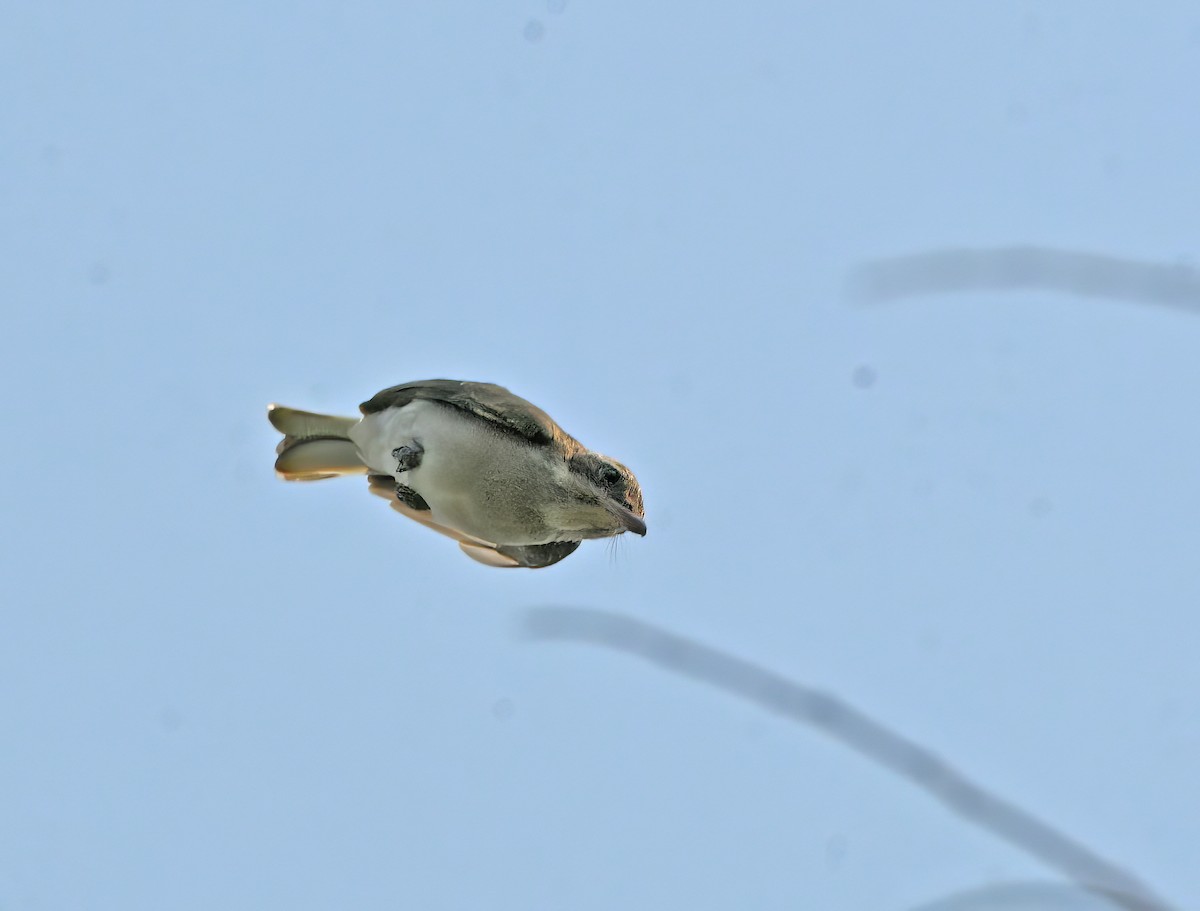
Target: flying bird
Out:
[472,461]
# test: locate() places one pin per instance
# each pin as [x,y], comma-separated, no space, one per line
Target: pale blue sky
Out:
[218,690]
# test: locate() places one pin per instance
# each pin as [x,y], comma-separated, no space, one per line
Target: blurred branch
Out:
[852,727]
[1023,896]
[1026,267]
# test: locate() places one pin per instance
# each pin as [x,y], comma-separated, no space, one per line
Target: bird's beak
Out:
[626,517]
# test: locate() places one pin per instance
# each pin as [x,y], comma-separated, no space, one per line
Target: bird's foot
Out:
[407,457]
[411,498]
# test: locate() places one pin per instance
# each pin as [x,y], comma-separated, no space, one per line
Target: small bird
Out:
[472,461]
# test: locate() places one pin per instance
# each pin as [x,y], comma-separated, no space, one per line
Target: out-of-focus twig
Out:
[1026,267]
[1022,896]
[855,729]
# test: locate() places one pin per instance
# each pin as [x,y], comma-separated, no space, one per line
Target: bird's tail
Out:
[314,446]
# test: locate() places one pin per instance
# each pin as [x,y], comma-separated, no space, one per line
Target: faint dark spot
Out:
[850,482]
[51,155]
[170,719]
[1031,25]
[929,642]
[503,709]
[680,385]
[1113,165]
[924,488]
[1016,113]
[978,480]
[864,376]
[99,274]
[1169,710]
[534,31]
[835,851]
[557,7]
[1039,507]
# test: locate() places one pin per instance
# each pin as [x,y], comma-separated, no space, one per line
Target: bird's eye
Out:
[609,475]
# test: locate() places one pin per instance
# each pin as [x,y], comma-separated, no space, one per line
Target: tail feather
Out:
[314,460]
[314,446]
[306,424]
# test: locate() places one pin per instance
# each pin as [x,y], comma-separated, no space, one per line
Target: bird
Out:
[472,461]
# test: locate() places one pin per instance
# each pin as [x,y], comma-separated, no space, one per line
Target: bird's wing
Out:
[533,556]
[486,401]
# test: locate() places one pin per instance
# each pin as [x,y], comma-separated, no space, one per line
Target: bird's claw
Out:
[411,498]
[407,457]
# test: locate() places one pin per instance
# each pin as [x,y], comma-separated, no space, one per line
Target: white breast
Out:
[475,479]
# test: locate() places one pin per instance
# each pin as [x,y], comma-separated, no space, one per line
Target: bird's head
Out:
[607,494]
